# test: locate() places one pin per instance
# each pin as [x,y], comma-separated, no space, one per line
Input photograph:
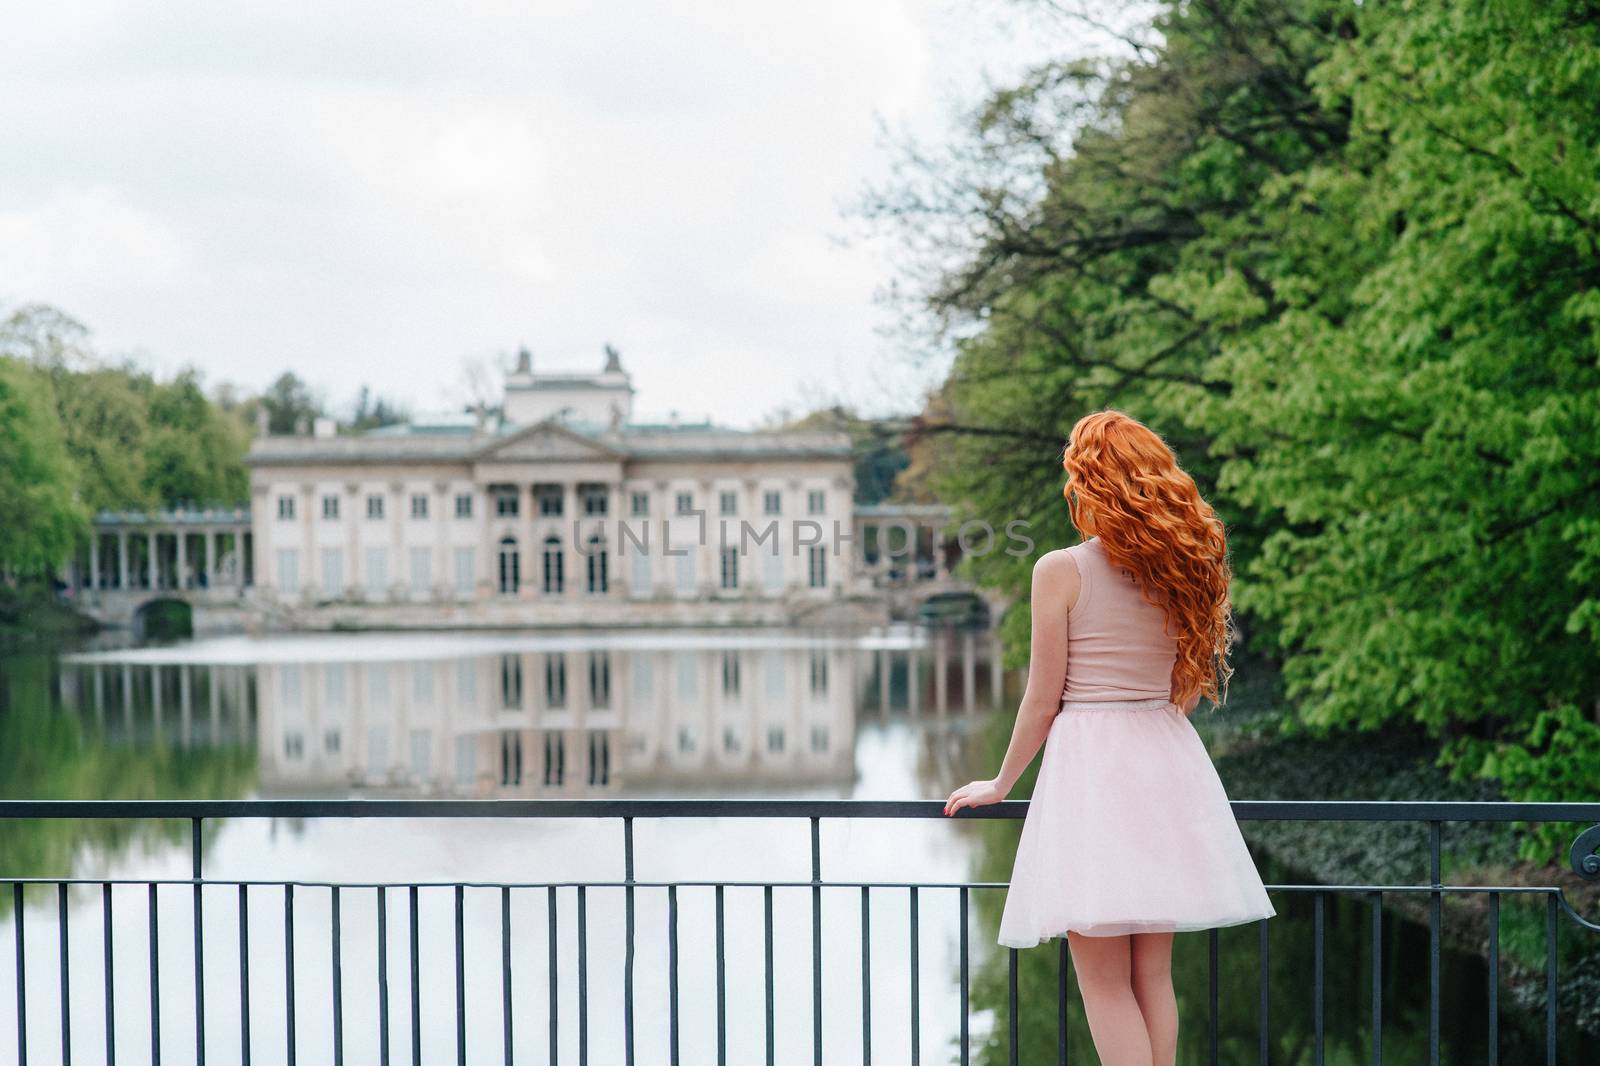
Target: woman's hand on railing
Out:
[975,794]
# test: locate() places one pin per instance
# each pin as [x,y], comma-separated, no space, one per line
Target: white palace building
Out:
[563,509]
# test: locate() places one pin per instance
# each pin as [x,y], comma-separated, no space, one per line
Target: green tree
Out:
[194,452]
[1344,259]
[41,517]
[372,411]
[289,402]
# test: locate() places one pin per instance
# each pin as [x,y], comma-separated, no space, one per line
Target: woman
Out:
[1129,836]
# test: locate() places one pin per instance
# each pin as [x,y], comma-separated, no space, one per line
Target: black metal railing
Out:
[1583,859]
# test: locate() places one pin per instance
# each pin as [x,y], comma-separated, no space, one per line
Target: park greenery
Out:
[1344,259]
[81,433]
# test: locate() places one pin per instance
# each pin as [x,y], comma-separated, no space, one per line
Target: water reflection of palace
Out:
[549,721]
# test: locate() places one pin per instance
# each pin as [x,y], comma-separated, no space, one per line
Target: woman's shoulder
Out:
[1058,583]
[1058,569]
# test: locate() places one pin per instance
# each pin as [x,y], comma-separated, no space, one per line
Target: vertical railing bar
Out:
[1550,986]
[22,984]
[916,992]
[111,1009]
[766,899]
[66,980]
[1061,1003]
[1212,1015]
[505,970]
[1377,978]
[1261,981]
[244,975]
[722,983]
[199,947]
[550,908]
[672,973]
[1494,979]
[1435,904]
[461,977]
[816,940]
[383,975]
[583,976]
[627,965]
[1317,934]
[155,980]
[338,980]
[965,1051]
[866,976]
[288,966]
[1011,1005]
[416,980]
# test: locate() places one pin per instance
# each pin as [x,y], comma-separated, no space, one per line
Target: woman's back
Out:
[1117,646]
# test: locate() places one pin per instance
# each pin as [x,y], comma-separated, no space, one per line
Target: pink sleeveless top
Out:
[1117,646]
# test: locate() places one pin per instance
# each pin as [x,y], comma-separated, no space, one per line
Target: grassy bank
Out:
[32,616]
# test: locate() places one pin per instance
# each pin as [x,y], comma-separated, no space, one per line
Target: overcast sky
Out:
[377,192]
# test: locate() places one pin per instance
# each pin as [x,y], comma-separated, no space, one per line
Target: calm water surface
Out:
[885,714]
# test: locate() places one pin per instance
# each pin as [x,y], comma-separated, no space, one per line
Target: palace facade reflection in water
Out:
[570,716]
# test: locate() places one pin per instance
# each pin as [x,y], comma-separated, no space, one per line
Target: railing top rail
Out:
[1244,810]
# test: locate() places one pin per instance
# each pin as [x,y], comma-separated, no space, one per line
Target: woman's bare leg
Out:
[1152,986]
[1104,965]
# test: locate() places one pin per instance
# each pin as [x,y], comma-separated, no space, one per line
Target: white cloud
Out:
[86,241]
[369,193]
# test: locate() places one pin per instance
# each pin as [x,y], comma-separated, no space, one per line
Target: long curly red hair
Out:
[1151,521]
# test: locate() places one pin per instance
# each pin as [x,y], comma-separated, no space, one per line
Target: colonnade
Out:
[179,550]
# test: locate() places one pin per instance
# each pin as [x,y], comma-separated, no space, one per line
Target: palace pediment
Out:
[545,442]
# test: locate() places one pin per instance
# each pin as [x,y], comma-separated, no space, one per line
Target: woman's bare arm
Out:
[1055,590]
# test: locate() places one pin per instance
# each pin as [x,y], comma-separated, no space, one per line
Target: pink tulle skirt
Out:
[1128,831]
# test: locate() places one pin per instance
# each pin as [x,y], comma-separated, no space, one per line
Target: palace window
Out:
[730,503]
[288,570]
[640,504]
[332,573]
[817,567]
[685,503]
[374,506]
[771,503]
[330,507]
[554,570]
[730,568]
[551,499]
[465,578]
[597,559]
[506,503]
[419,505]
[421,570]
[286,508]
[510,577]
[377,570]
[463,505]
[594,499]
[816,501]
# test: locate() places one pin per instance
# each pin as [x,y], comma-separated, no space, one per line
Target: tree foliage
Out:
[1344,259]
[41,517]
[130,440]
